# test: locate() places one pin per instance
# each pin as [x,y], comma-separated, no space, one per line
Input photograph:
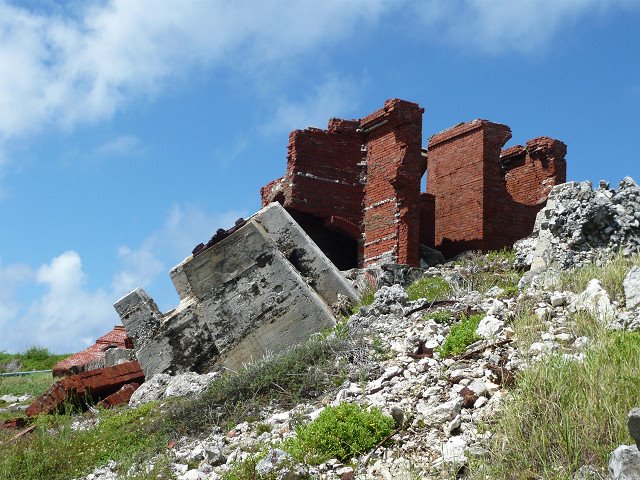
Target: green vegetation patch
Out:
[610,273]
[303,372]
[564,414]
[33,385]
[462,335]
[340,432]
[441,316]
[56,451]
[431,288]
[35,358]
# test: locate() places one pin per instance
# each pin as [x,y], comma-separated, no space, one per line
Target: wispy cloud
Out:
[120,146]
[335,97]
[502,26]
[64,71]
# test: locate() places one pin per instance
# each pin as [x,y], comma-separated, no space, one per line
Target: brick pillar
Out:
[394,167]
[464,164]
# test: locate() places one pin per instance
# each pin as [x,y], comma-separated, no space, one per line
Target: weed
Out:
[462,335]
[611,274]
[431,288]
[263,428]
[564,414]
[441,316]
[366,298]
[339,432]
[509,291]
[305,371]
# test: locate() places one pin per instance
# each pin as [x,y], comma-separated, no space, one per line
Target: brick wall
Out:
[392,190]
[355,187]
[529,173]
[486,199]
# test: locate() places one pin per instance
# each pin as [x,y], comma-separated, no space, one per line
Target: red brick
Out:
[86,387]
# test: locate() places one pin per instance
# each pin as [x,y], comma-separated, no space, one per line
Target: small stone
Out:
[624,463]
[632,288]
[633,423]
[345,473]
[489,327]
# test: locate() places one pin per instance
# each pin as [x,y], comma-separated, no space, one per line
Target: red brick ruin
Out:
[355,187]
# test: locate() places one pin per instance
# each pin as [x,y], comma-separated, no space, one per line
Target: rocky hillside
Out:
[514,364]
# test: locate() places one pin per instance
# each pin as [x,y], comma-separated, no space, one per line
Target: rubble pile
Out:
[579,224]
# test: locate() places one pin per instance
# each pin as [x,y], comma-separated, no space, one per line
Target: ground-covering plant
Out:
[462,335]
[439,316]
[32,385]
[610,272]
[494,269]
[57,451]
[303,372]
[366,298]
[564,414]
[431,288]
[34,358]
[339,432]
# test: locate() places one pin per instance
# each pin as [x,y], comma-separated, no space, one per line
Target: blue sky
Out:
[131,131]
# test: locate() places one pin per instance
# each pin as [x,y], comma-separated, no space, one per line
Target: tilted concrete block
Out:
[139,314]
[263,288]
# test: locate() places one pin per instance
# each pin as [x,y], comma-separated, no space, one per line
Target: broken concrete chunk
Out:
[139,314]
[263,288]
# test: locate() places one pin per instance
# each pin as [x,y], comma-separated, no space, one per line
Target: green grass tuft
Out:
[339,432]
[462,335]
[35,358]
[431,288]
[610,273]
[441,316]
[564,414]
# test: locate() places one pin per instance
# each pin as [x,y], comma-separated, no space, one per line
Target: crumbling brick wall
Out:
[355,187]
[322,188]
[486,199]
[361,180]
[392,191]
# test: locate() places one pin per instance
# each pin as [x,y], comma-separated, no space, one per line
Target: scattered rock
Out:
[632,288]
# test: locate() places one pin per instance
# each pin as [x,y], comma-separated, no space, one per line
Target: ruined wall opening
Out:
[341,249]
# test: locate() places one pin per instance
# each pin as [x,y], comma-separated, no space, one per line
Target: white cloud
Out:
[66,317]
[335,97]
[65,71]
[69,315]
[499,26]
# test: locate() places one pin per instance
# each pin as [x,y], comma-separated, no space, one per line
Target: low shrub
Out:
[431,288]
[339,432]
[462,335]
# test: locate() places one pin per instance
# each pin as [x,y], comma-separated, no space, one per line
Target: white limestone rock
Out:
[632,288]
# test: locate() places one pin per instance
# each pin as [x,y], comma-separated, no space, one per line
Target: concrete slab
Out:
[263,288]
